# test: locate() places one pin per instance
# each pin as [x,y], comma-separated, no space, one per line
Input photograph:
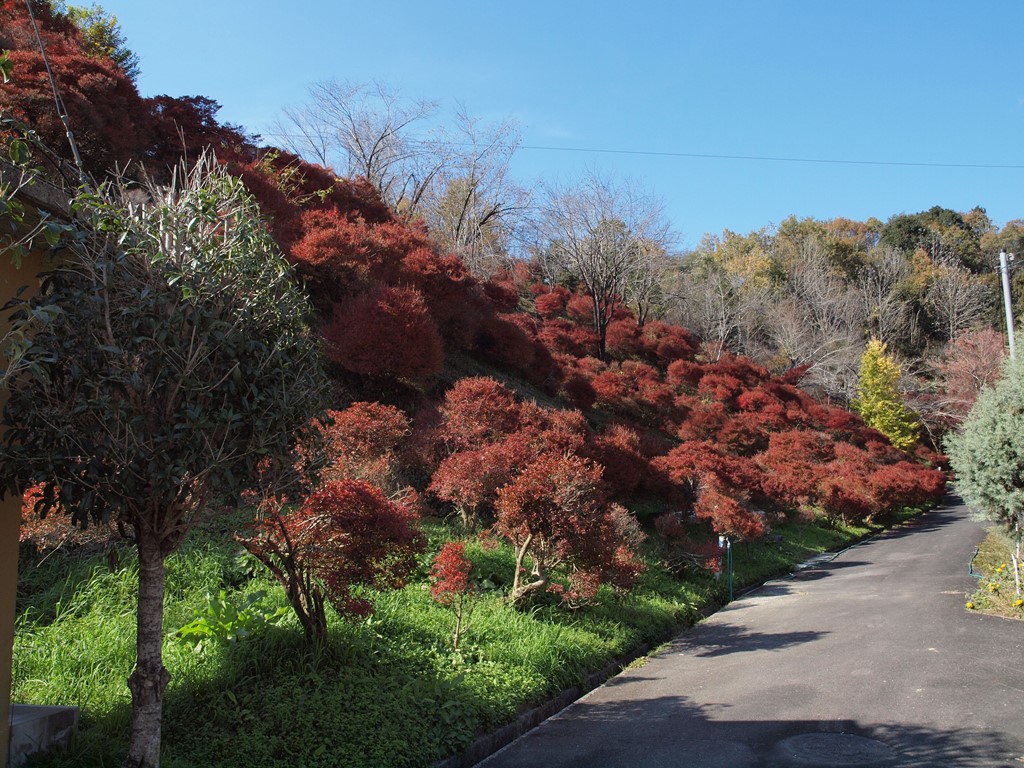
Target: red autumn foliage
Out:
[794,464]
[743,434]
[720,507]
[721,387]
[617,449]
[552,303]
[55,530]
[449,574]
[358,443]
[508,339]
[554,513]
[346,534]
[576,388]
[703,420]
[684,373]
[183,126]
[470,479]
[477,411]
[906,484]
[386,331]
[682,548]
[502,292]
[667,343]
[564,337]
[103,105]
[624,339]
[580,309]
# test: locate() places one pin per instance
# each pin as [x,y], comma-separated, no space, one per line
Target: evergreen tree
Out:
[987,456]
[878,399]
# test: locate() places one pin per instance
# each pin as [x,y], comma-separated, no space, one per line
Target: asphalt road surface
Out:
[867,660]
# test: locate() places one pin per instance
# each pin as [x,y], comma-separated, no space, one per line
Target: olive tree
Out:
[174,356]
[987,456]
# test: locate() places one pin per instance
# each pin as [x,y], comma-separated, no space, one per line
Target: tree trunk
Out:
[150,678]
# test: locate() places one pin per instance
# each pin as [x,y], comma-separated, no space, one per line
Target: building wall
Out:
[41,195]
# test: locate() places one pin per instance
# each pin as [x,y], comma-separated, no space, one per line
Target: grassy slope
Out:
[996,593]
[386,692]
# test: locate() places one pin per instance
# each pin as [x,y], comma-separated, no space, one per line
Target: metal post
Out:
[1004,271]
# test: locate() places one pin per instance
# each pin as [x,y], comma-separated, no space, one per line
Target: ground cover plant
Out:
[388,690]
[992,566]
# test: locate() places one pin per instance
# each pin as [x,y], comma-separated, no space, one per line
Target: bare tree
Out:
[957,300]
[889,316]
[473,208]
[819,322]
[364,130]
[645,283]
[706,299]
[596,230]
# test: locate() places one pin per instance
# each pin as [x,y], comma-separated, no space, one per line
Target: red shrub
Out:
[345,535]
[561,336]
[669,343]
[624,339]
[703,421]
[477,411]
[720,387]
[904,484]
[449,574]
[580,308]
[554,512]
[793,466]
[617,449]
[743,434]
[725,514]
[684,373]
[470,479]
[503,293]
[577,389]
[359,443]
[386,331]
[552,304]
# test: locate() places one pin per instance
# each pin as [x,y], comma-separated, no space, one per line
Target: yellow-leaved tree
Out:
[878,399]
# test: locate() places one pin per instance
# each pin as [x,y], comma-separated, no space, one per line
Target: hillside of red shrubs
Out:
[700,446]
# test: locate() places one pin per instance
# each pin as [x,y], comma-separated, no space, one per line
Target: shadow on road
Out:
[672,731]
[721,639]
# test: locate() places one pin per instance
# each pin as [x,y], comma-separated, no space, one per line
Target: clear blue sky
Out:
[900,81]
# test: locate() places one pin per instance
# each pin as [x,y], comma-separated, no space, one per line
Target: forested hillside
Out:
[711,381]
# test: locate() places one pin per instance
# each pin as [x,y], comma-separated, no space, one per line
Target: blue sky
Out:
[900,82]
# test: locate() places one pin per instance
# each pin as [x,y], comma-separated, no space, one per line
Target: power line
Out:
[709,156]
[768,158]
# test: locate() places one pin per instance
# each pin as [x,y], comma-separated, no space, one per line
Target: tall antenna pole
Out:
[1004,270]
[61,111]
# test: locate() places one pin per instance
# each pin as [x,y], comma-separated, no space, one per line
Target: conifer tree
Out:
[878,399]
[987,456]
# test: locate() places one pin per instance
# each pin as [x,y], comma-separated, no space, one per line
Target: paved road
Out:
[868,660]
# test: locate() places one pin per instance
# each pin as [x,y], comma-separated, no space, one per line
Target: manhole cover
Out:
[836,749]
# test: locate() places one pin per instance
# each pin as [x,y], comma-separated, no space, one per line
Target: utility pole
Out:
[1004,270]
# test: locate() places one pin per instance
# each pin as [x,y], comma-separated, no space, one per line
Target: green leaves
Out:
[224,621]
[6,66]
[174,345]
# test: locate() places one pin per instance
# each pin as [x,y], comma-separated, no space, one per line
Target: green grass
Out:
[387,691]
[996,593]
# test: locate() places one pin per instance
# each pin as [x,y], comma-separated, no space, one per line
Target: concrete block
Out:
[37,729]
